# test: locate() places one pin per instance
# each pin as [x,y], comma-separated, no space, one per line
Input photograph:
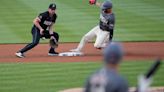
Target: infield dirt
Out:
[133,51]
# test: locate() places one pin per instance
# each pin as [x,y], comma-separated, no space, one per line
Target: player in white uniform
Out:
[104,31]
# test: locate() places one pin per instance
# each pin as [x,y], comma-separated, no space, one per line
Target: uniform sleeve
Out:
[111,23]
[41,16]
[54,19]
[111,27]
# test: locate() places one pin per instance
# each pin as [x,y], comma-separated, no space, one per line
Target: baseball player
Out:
[108,79]
[104,31]
[43,27]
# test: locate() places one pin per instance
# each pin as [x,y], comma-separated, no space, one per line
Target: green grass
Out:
[136,20]
[51,77]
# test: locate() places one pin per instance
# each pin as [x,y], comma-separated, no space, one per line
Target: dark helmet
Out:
[107,5]
[52,6]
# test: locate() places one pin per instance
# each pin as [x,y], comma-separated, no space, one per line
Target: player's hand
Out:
[41,31]
[92,2]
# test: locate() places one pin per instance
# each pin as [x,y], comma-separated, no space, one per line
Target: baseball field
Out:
[139,26]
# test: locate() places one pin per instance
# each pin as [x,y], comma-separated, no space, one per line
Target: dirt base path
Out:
[133,51]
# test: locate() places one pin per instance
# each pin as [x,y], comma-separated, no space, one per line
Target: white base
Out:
[71,54]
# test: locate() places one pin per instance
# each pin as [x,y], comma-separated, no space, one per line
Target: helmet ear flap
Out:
[107,10]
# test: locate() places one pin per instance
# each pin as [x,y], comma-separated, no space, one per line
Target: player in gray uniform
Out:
[108,79]
[102,32]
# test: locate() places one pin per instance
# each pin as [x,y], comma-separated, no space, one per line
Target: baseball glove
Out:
[53,43]
[91,2]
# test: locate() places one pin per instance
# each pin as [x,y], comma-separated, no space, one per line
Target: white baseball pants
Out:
[102,38]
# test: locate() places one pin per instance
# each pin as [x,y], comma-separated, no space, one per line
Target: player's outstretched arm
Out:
[98,4]
[95,2]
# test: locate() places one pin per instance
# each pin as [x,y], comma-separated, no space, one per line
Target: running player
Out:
[104,31]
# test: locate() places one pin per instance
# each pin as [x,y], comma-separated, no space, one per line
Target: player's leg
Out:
[52,51]
[101,39]
[108,39]
[36,37]
[106,42]
[86,38]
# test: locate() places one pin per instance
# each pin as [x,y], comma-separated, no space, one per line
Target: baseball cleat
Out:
[53,53]
[75,50]
[19,54]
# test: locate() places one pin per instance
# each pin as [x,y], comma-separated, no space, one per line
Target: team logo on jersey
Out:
[48,23]
[102,18]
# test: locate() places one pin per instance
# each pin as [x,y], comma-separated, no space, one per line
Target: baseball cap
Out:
[113,53]
[52,6]
[107,5]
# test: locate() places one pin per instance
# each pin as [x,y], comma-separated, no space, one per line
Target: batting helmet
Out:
[107,5]
[113,53]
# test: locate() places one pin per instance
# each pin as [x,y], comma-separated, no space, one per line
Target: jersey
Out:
[106,80]
[46,20]
[107,21]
